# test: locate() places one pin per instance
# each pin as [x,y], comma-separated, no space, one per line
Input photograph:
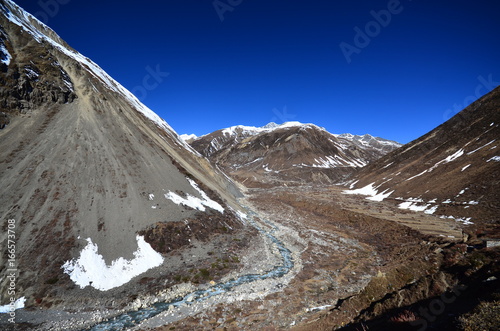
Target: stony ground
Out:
[349,260]
[354,260]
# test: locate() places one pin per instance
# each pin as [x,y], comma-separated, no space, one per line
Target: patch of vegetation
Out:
[486,316]
[145,280]
[52,281]
[205,273]
[208,271]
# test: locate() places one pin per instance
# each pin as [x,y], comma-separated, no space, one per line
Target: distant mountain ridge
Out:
[290,152]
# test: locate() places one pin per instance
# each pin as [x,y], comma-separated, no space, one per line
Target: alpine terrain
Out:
[112,221]
[291,153]
[96,188]
[453,171]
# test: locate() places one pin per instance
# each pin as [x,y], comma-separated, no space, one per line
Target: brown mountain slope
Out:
[84,166]
[454,170]
[292,153]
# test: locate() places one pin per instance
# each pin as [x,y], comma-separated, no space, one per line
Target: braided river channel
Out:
[133,318]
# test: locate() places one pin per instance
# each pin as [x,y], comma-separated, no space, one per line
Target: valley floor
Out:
[354,260]
[359,259]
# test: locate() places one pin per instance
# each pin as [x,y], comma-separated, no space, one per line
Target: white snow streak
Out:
[448,159]
[31,73]
[418,205]
[7,57]
[420,174]
[318,308]
[187,137]
[494,158]
[380,196]
[24,22]
[491,142]
[371,191]
[431,210]
[412,206]
[367,190]
[353,184]
[194,202]
[465,221]
[454,156]
[388,165]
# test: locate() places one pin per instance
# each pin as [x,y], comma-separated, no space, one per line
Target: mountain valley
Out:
[119,223]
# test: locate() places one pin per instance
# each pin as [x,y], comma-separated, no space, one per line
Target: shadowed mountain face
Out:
[291,153]
[85,166]
[454,170]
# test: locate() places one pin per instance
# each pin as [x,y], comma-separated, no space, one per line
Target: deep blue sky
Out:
[278,61]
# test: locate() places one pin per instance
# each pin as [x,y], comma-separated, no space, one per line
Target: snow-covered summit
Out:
[188,137]
[292,151]
[234,134]
[370,141]
[253,130]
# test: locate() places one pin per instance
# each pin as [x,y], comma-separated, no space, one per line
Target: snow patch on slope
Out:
[409,205]
[466,167]
[18,304]
[380,196]
[188,137]
[366,190]
[371,192]
[472,152]
[91,269]
[194,202]
[448,159]
[465,221]
[5,56]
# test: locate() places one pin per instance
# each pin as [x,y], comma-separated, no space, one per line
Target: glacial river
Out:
[133,318]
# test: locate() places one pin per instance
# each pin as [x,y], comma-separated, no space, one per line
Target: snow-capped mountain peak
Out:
[282,149]
[370,141]
[188,137]
[253,130]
